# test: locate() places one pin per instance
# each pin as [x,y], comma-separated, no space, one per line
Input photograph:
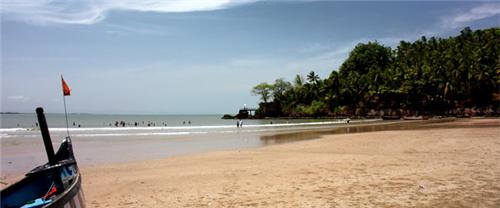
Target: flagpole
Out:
[65,111]
[66,115]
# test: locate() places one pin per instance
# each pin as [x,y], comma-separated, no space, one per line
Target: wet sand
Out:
[18,155]
[445,165]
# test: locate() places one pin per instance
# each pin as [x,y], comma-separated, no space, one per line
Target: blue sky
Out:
[190,57]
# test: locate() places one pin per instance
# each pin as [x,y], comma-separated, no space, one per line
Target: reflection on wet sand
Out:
[360,128]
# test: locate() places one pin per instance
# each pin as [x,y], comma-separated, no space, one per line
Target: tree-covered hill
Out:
[435,76]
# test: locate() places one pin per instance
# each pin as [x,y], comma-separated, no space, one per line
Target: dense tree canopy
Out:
[263,90]
[429,76]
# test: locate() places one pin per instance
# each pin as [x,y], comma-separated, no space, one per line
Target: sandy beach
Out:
[436,167]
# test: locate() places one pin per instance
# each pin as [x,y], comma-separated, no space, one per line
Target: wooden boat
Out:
[54,184]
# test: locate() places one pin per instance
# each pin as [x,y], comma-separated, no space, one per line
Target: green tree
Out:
[263,90]
[430,75]
[280,86]
[363,75]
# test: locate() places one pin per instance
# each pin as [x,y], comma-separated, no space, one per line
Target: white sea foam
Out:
[138,134]
[12,129]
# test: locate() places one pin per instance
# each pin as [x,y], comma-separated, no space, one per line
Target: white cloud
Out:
[476,13]
[90,12]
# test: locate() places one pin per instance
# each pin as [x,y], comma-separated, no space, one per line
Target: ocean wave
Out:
[2,130]
[138,134]
[170,130]
[173,127]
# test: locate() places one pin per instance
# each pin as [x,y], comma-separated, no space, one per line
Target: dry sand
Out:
[450,167]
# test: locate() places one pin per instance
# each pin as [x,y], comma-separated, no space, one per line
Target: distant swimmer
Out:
[189,122]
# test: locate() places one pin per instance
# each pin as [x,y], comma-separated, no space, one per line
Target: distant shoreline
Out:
[401,117]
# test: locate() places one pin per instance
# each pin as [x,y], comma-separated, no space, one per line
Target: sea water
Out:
[100,125]
[97,140]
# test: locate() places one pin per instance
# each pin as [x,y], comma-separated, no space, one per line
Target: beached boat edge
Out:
[54,184]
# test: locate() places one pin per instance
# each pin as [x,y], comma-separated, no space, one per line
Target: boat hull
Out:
[71,198]
[32,190]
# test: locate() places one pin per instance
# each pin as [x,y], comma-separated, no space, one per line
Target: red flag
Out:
[65,87]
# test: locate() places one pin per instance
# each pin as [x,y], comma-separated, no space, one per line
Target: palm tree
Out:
[429,74]
[298,81]
[312,77]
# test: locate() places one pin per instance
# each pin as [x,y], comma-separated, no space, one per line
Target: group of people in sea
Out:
[239,123]
[119,124]
[36,125]
[143,123]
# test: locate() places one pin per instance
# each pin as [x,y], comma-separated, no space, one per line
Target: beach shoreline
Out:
[425,168]
[21,151]
[350,165]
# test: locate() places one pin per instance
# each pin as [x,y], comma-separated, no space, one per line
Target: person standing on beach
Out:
[241,123]
[238,124]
